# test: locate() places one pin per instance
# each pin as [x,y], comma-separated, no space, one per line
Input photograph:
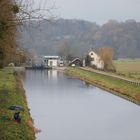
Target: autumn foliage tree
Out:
[7,32]
[12,14]
[106,54]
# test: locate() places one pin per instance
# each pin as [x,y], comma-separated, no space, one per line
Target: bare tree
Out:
[32,10]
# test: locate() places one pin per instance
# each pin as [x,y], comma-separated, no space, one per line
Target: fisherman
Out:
[17,117]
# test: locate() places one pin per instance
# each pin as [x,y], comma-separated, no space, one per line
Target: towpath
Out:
[136,82]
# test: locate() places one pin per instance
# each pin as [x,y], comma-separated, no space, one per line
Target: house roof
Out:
[75,60]
[51,57]
[95,50]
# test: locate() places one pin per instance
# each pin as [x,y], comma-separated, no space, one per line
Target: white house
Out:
[51,61]
[96,60]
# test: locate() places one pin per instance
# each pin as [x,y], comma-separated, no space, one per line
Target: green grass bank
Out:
[113,85]
[12,93]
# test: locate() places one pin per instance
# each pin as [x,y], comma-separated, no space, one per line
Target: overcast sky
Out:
[98,11]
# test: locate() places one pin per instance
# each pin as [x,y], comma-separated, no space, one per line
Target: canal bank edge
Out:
[116,86]
[12,93]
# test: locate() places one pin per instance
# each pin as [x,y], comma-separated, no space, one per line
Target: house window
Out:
[91,54]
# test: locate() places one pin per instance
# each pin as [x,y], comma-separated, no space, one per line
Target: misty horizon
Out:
[93,10]
[109,20]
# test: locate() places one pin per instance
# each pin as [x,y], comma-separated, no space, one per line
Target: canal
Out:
[69,109]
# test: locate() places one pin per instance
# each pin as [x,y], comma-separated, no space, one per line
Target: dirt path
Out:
[112,75]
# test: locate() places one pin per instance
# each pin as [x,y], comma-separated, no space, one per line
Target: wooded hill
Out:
[77,37]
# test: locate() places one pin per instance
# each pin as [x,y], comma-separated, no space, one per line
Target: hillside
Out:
[76,37]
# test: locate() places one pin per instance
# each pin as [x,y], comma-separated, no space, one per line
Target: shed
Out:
[76,62]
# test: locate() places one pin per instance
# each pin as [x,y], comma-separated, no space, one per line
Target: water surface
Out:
[68,109]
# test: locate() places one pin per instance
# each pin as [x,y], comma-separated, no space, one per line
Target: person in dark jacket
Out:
[17,117]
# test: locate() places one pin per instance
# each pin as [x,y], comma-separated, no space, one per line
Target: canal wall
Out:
[19,69]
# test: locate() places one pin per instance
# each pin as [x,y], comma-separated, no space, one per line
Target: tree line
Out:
[77,37]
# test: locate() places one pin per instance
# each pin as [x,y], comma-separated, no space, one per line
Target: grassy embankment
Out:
[12,93]
[128,68]
[116,86]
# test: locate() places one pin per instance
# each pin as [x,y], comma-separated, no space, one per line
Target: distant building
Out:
[51,61]
[76,62]
[61,63]
[95,60]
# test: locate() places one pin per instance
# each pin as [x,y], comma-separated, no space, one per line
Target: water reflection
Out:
[52,74]
[68,109]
